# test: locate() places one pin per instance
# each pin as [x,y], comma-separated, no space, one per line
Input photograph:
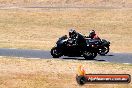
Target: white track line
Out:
[127,63]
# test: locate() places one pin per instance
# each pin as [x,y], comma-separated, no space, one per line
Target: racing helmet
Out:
[92,32]
[72,32]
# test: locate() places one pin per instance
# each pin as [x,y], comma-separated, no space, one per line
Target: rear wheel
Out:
[55,52]
[104,50]
[89,55]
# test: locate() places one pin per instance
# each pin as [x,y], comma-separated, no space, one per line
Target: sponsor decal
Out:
[83,78]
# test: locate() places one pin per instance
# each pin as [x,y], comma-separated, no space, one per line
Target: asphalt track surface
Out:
[26,53]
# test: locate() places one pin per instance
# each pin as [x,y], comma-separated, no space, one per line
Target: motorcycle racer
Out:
[76,37]
[93,35]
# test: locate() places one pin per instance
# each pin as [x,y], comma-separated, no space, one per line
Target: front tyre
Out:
[55,52]
[89,55]
[104,50]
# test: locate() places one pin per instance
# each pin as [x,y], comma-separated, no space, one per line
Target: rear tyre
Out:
[55,52]
[104,50]
[89,55]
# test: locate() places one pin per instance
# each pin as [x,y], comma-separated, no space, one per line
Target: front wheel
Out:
[104,50]
[89,55]
[55,52]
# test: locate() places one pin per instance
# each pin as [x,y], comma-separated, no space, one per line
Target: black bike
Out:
[65,47]
[101,45]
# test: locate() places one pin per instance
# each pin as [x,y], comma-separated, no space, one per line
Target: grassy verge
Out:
[54,73]
[40,28]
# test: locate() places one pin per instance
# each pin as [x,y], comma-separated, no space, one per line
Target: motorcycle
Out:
[66,47]
[101,45]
